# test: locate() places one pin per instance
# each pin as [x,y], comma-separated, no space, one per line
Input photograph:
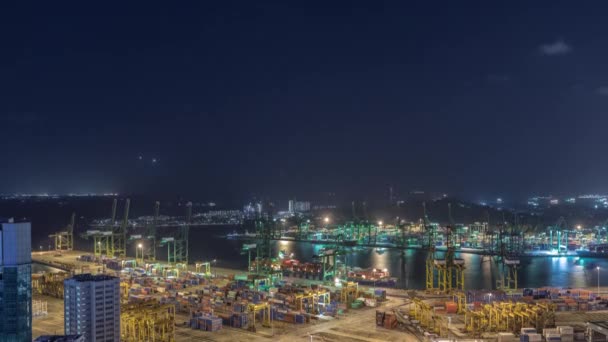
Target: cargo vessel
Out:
[372,276]
[594,251]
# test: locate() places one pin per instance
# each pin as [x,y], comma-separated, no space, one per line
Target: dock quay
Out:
[230,305]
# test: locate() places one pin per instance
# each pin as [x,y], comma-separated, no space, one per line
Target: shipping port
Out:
[280,297]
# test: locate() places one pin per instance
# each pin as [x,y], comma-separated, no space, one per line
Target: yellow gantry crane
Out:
[148,322]
[49,284]
[451,269]
[509,317]
[349,292]
[64,240]
[508,276]
[430,259]
[264,309]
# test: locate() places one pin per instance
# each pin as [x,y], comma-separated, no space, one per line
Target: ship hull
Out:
[590,254]
[389,282]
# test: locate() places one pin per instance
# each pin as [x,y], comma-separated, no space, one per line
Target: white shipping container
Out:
[506,337]
[534,337]
[549,331]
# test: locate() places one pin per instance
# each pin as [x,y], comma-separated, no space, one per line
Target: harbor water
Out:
[208,243]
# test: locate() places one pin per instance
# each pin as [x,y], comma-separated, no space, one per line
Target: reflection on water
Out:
[409,265]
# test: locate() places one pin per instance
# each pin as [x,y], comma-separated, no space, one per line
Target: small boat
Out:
[380,250]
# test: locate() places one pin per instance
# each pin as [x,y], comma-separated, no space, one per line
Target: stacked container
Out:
[567,333]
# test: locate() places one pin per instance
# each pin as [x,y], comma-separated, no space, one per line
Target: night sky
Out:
[289,98]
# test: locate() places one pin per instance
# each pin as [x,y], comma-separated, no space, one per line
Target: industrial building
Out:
[92,307]
[15,281]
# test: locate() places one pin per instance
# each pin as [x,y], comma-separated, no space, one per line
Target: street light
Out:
[140,247]
[380,222]
[312,336]
[326,219]
[490,296]
[598,281]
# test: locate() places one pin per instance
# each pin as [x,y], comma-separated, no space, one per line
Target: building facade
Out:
[60,338]
[92,307]
[15,281]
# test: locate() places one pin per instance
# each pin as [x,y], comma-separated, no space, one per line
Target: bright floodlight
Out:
[140,245]
[578,227]
[379,223]
[326,219]
[597,268]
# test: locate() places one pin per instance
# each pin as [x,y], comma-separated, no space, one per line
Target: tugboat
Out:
[373,276]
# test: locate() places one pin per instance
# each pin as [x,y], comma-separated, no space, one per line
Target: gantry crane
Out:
[147,322]
[508,258]
[64,240]
[147,249]
[119,234]
[151,234]
[430,244]
[102,239]
[264,230]
[177,245]
[450,270]
[561,229]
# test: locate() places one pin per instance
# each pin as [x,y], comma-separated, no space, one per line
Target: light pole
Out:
[140,247]
[490,296]
[598,281]
[311,336]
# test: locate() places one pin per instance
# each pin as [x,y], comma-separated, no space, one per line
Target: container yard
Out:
[281,298]
[181,304]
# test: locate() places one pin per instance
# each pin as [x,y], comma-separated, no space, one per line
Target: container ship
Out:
[372,276]
[594,251]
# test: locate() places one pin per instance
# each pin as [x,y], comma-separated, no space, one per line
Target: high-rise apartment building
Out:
[92,307]
[60,338]
[15,281]
[291,208]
